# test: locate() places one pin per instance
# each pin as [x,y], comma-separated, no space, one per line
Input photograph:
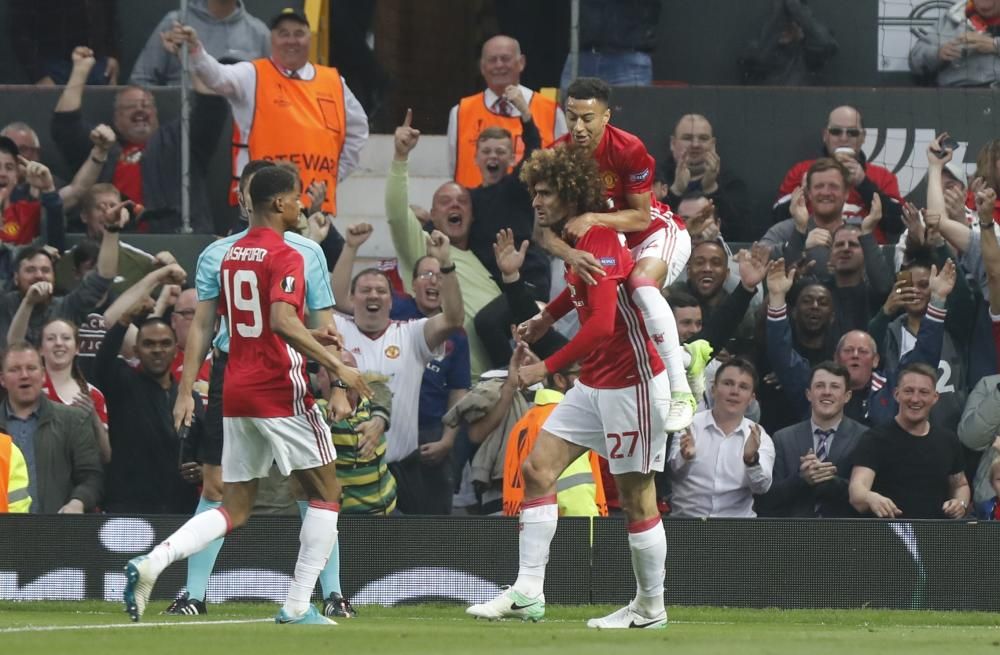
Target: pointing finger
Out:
[409,117]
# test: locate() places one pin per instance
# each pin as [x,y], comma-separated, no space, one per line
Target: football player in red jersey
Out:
[268,413]
[616,408]
[657,239]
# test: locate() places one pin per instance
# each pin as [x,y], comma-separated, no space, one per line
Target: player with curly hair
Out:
[656,237]
[616,408]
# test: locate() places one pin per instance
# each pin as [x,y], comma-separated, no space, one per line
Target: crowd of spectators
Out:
[852,337]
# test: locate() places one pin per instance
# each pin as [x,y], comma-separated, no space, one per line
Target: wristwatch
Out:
[340,384]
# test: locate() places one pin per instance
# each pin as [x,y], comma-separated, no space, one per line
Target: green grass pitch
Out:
[85,628]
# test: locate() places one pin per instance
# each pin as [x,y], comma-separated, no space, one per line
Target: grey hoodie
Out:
[239,36]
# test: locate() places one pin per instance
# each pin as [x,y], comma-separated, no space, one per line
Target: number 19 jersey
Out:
[265,377]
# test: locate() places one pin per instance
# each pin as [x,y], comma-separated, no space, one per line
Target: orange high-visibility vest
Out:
[301,121]
[519,445]
[474,116]
[5,451]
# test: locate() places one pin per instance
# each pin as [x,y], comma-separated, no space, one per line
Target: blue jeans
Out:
[615,68]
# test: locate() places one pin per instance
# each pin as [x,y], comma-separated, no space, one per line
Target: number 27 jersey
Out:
[265,377]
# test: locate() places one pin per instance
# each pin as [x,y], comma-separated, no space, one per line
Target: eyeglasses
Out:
[428,275]
[851,350]
[852,132]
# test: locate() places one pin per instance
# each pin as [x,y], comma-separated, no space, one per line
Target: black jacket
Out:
[144,474]
[161,160]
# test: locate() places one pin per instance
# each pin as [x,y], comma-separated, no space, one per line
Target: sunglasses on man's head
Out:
[852,132]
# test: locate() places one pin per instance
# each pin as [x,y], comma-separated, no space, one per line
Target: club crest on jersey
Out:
[608,261]
[288,284]
[610,179]
[392,352]
[641,176]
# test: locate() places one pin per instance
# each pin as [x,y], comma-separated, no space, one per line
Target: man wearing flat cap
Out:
[285,107]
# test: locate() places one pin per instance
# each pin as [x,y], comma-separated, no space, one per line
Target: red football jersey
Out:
[627,168]
[96,397]
[883,179]
[627,356]
[201,380]
[265,377]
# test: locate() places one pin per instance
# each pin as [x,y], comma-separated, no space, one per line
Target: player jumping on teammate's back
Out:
[615,408]
[655,236]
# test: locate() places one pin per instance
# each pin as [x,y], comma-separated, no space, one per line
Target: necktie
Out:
[503,107]
[293,75]
[821,449]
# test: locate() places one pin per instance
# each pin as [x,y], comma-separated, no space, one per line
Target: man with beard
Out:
[657,239]
[501,202]
[143,476]
[843,137]
[812,462]
[616,408]
[707,272]
[145,163]
[911,467]
[811,313]
[871,399]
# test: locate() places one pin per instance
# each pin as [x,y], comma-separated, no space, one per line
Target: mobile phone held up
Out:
[948,144]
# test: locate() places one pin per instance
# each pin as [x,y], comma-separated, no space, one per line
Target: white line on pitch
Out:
[117,626]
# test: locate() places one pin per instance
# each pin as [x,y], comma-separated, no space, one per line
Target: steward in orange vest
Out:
[14,496]
[579,491]
[474,116]
[301,121]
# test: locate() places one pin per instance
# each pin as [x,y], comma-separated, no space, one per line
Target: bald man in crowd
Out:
[501,64]
[843,137]
[694,167]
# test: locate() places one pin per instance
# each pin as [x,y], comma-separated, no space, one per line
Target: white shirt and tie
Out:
[502,107]
[823,440]
[716,483]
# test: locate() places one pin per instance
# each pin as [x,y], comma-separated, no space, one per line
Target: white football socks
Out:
[662,329]
[197,533]
[538,525]
[648,543]
[316,538]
